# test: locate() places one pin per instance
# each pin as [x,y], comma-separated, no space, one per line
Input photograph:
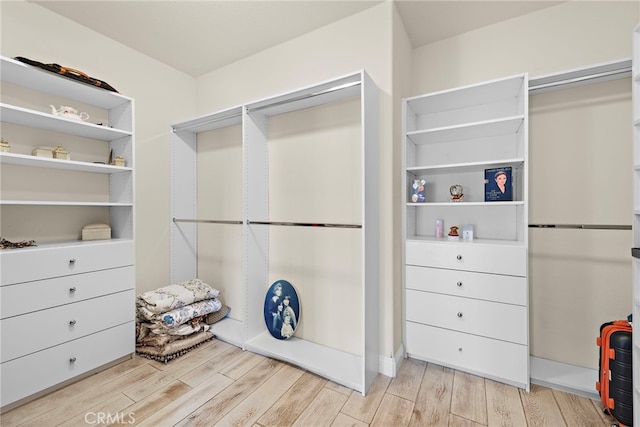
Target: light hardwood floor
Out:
[220,385]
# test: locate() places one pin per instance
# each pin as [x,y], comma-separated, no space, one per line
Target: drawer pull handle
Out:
[72,289]
[72,261]
[459,257]
[72,322]
[72,360]
[459,314]
[459,283]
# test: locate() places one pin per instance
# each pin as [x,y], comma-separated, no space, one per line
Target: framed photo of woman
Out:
[498,185]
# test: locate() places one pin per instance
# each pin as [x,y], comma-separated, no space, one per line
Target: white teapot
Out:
[69,113]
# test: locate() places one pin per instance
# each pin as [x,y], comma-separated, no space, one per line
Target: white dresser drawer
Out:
[32,296]
[35,331]
[29,264]
[490,358]
[489,319]
[492,287]
[27,375]
[469,256]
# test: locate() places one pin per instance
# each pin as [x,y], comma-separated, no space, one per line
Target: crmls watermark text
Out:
[96,418]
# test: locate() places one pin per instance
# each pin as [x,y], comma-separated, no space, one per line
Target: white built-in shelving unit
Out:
[458,293]
[67,304]
[247,329]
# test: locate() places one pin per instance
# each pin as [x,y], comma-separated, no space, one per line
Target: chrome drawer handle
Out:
[72,289]
[72,322]
[72,261]
[459,257]
[459,283]
[72,360]
[459,314]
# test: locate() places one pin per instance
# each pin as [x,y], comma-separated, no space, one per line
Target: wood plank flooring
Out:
[220,385]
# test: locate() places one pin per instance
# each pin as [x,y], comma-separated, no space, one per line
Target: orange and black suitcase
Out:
[615,383]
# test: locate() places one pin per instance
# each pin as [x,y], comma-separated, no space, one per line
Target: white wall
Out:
[161,94]
[578,279]
[570,35]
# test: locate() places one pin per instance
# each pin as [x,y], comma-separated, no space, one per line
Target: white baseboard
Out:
[389,366]
[564,377]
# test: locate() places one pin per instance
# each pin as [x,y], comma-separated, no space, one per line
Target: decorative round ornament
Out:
[281,310]
[456,193]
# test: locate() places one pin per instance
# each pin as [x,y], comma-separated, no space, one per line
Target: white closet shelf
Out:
[465,96]
[341,367]
[477,130]
[62,203]
[475,241]
[208,122]
[44,162]
[39,120]
[465,167]
[67,243]
[229,330]
[462,204]
[22,74]
[323,93]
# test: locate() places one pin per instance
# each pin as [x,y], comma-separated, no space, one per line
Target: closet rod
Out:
[206,121]
[599,72]
[583,226]
[207,221]
[307,96]
[304,224]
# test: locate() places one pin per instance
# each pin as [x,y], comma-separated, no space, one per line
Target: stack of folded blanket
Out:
[175,319]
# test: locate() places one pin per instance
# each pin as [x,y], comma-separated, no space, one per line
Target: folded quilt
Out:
[195,325]
[147,338]
[175,296]
[175,348]
[179,316]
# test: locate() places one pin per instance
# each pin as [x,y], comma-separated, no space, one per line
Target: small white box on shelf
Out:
[96,232]
[43,152]
[467,232]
